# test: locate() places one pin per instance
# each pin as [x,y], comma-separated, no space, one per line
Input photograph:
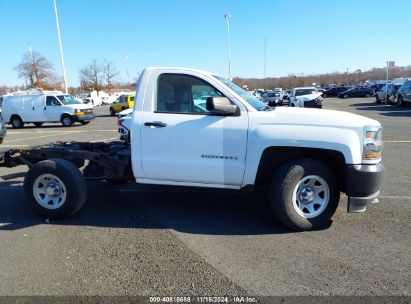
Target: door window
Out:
[177,93]
[51,101]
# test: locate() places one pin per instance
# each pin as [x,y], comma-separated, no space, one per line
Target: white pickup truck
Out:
[195,129]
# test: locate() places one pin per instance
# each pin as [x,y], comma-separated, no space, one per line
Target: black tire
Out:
[324,95]
[1,140]
[112,112]
[71,178]
[123,108]
[367,95]
[400,101]
[345,96]
[38,124]
[67,121]
[16,122]
[377,100]
[283,184]
[85,122]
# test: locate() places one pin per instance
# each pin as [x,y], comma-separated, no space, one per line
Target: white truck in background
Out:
[303,158]
[18,110]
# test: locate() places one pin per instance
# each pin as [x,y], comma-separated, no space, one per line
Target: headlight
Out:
[78,112]
[372,147]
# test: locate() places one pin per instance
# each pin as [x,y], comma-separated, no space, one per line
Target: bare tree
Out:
[36,71]
[109,74]
[91,76]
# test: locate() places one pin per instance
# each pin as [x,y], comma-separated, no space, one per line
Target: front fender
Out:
[345,141]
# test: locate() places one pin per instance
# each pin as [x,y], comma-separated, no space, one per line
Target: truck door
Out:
[52,109]
[182,142]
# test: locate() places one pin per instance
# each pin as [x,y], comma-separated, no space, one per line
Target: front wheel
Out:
[304,194]
[67,121]
[55,188]
[345,96]
[112,112]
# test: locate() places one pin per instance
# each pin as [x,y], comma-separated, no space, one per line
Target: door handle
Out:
[155,124]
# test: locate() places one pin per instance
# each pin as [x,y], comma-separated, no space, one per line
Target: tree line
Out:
[354,78]
[38,72]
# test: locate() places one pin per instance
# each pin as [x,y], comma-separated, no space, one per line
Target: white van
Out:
[38,109]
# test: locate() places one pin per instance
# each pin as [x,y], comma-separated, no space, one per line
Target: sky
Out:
[302,37]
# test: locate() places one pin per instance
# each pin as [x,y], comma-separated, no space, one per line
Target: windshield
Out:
[273,94]
[305,92]
[68,99]
[254,102]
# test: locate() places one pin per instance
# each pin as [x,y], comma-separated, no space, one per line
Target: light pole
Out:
[346,80]
[126,63]
[265,60]
[31,64]
[61,47]
[227,17]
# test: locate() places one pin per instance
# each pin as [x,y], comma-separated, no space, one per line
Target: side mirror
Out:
[220,106]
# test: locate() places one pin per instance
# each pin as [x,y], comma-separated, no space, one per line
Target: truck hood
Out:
[80,106]
[311,117]
[308,96]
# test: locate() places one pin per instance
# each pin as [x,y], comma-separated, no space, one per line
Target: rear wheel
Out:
[304,194]
[67,121]
[345,96]
[16,122]
[55,188]
[38,124]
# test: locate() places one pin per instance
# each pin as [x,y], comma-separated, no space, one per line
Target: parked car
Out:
[273,99]
[334,91]
[3,130]
[125,113]
[307,97]
[124,126]
[381,94]
[38,109]
[122,103]
[357,92]
[286,95]
[404,93]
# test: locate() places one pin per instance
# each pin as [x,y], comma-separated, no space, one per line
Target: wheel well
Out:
[272,158]
[65,115]
[15,115]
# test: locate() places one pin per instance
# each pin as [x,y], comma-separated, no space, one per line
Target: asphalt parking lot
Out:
[134,240]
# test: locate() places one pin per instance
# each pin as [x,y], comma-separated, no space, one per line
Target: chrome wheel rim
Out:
[49,191]
[311,196]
